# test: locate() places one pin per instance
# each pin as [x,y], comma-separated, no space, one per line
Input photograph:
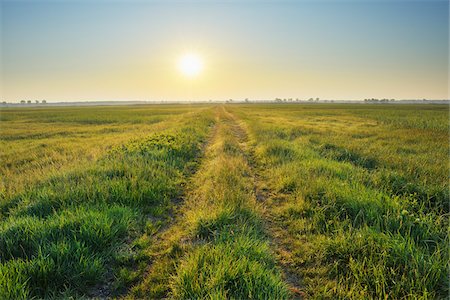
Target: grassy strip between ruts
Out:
[59,238]
[217,249]
[229,255]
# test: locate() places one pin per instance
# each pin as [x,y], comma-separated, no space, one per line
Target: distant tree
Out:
[44,101]
[22,101]
[317,99]
[310,99]
[4,102]
[246,100]
[37,101]
[278,100]
[28,101]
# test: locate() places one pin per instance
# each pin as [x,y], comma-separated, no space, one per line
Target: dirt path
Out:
[227,180]
[263,194]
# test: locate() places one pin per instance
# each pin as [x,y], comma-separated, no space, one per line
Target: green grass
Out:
[59,237]
[40,142]
[360,196]
[328,201]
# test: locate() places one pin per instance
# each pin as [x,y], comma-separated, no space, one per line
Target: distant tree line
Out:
[280,100]
[27,102]
[35,101]
[378,100]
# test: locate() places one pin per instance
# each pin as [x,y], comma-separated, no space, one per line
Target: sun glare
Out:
[190,65]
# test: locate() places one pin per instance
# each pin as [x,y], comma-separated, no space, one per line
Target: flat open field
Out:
[318,201]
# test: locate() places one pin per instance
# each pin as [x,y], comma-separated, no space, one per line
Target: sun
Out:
[190,65]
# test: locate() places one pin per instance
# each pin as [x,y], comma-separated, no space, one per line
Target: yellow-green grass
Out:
[353,202]
[359,197]
[36,143]
[221,250]
[68,232]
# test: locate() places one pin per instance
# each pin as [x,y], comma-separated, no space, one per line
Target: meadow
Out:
[254,201]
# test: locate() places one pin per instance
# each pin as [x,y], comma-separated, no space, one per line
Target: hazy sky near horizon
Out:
[128,50]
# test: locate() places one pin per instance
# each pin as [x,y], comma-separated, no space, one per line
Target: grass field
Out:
[275,201]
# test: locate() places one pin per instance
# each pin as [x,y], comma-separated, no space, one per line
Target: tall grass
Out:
[362,203]
[357,200]
[37,143]
[62,236]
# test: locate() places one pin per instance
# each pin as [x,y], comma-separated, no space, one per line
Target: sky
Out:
[130,50]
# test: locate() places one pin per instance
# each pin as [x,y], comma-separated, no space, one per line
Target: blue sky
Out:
[128,50]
